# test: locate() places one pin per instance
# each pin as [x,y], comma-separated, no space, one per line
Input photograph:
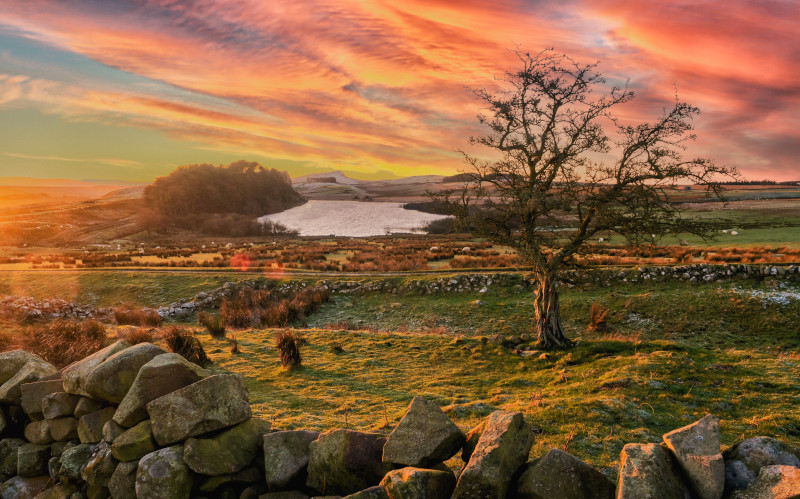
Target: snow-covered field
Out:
[351,218]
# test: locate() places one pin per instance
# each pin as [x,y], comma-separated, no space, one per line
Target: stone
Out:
[288,494]
[286,456]
[112,430]
[34,370]
[8,455]
[345,461]
[122,484]
[33,393]
[72,460]
[86,406]
[32,460]
[97,492]
[213,403]
[418,483]
[744,460]
[23,488]
[75,375]
[248,476]
[163,474]
[502,449]
[63,428]
[228,451]
[134,443]
[424,437]
[3,420]
[100,465]
[38,432]
[12,361]
[90,426]
[773,482]
[696,447]
[471,442]
[164,374]
[59,405]
[58,448]
[112,379]
[558,474]
[376,492]
[59,491]
[646,471]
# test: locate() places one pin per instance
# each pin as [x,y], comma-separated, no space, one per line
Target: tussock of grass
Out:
[593,399]
[63,342]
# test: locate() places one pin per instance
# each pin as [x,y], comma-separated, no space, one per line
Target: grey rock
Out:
[32,460]
[75,375]
[210,404]
[8,455]
[558,474]
[501,450]
[345,461]
[59,405]
[226,452]
[418,483]
[72,460]
[425,436]
[647,472]
[134,443]
[471,442]
[162,375]
[12,361]
[58,491]
[100,466]
[38,432]
[34,370]
[122,483]
[33,393]
[112,430]
[376,492]
[286,455]
[23,488]
[63,428]
[744,460]
[696,447]
[90,426]
[87,405]
[163,474]
[773,482]
[112,379]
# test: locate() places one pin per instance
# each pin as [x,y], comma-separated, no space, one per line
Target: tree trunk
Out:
[548,316]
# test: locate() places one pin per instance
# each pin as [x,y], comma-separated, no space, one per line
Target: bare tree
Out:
[549,187]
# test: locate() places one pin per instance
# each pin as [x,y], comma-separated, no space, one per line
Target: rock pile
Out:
[138,422]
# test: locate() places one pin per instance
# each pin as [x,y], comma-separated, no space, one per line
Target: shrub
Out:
[127,314]
[63,342]
[597,318]
[213,323]
[134,336]
[288,344]
[183,342]
[6,341]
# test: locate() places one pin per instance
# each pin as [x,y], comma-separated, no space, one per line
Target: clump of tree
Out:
[548,189]
[223,200]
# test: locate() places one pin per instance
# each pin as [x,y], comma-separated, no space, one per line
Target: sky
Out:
[130,89]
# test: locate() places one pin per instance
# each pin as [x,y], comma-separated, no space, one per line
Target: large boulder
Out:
[471,442]
[345,461]
[228,451]
[773,482]
[424,437]
[210,404]
[32,460]
[647,471]
[744,460]
[72,460]
[8,455]
[134,443]
[38,432]
[418,483]
[100,466]
[122,483]
[12,361]
[35,369]
[63,428]
[76,374]
[59,404]
[163,474]
[558,474]
[112,379]
[286,456]
[501,450]
[163,374]
[696,447]
[23,488]
[33,393]
[90,426]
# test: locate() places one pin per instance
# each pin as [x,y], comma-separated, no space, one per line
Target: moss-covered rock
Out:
[90,426]
[286,455]
[111,380]
[134,443]
[226,452]
[418,483]
[346,461]
[558,474]
[164,474]
[75,376]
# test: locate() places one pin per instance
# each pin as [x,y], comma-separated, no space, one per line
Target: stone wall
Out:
[138,422]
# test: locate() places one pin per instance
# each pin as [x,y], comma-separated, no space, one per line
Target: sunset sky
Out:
[130,89]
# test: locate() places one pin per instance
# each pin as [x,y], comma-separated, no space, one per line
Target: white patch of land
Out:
[352,219]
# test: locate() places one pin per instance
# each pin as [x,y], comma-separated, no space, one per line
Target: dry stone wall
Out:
[137,422]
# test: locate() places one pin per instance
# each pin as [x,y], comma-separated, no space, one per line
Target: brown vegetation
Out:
[128,314]
[63,342]
[183,342]
[288,344]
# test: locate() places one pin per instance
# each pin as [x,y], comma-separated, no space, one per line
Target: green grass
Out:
[592,399]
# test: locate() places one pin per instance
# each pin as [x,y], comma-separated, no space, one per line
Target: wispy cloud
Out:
[116,162]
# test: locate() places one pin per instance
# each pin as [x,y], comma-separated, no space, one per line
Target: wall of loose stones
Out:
[139,422]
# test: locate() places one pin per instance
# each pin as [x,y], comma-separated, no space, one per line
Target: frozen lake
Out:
[352,218]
